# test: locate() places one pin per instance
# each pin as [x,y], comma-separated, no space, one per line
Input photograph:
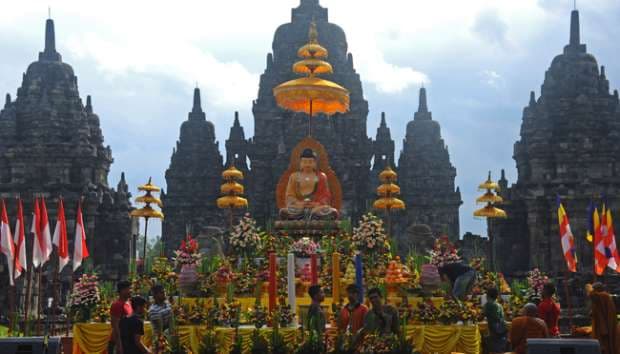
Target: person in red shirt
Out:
[121,308]
[352,315]
[549,310]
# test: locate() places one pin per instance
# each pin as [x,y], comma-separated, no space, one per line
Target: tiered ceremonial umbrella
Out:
[147,212]
[231,192]
[388,192]
[310,94]
[491,199]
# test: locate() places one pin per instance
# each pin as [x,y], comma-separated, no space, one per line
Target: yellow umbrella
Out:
[149,199]
[387,175]
[489,184]
[147,212]
[489,197]
[312,95]
[231,188]
[232,173]
[388,189]
[149,187]
[489,211]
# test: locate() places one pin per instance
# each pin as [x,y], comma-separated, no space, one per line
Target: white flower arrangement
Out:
[245,236]
[370,235]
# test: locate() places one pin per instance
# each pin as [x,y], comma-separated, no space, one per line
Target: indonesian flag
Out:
[60,237]
[20,238]
[613,259]
[80,252]
[6,245]
[42,243]
[567,239]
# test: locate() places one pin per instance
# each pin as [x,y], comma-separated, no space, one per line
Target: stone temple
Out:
[51,145]
[427,176]
[568,148]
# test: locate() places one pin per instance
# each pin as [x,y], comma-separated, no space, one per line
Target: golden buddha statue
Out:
[307,192]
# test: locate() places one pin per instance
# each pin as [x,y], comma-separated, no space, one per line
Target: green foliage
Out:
[312,344]
[208,345]
[259,344]
[278,344]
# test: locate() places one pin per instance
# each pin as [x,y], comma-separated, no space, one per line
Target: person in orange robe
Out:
[604,321]
[528,325]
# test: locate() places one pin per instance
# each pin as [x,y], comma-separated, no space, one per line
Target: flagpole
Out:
[28,299]
[569,302]
[39,296]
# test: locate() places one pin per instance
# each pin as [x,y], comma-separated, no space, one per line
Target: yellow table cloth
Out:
[92,338]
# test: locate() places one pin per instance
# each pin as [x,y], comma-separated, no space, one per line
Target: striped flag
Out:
[590,232]
[7,246]
[613,258]
[80,251]
[602,254]
[567,238]
[20,238]
[42,245]
[600,259]
[60,237]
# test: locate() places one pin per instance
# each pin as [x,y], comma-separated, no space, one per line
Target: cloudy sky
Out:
[141,59]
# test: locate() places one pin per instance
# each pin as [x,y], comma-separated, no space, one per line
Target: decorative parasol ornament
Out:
[310,94]
[147,212]
[491,199]
[231,192]
[388,192]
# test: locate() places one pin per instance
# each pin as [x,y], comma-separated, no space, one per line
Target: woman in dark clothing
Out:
[460,276]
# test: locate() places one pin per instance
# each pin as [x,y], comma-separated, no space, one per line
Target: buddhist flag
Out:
[80,252]
[590,232]
[60,237]
[42,245]
[611,251]
[20,238]
[567,238]
[600,259]
[7,246]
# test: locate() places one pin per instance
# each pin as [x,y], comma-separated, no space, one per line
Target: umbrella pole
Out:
[310,120]
[146,228]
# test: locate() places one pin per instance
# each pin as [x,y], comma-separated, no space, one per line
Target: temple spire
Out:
[89,104]
[49,52]
[236,123]
[383,123]
[7,100]
[575,39]
[423,106]
[197,106]
[532,99]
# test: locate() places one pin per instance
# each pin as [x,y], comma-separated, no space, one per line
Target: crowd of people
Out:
[535,321]
[542,321]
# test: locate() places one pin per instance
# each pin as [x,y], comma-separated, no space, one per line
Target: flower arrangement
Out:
[188,254]
[229,314]
[426,312]
[258,315]
[375,343]
[284,314]
[245,237]
[85,297]
[223,275]
[471,312]
[165,274]
[245,282]
[536,281]
[304,247]
[449,312]
[369,236]
[443,252]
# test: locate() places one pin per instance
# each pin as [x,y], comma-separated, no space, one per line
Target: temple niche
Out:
[354,158]
[51,145]
[568,147]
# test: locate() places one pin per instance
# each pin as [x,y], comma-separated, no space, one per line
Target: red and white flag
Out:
[567,239]
[7,246]
[613,257]
[60,237]
[42,245]
[80,251]
[20,238]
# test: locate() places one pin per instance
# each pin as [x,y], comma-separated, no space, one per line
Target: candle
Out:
[314,278]
[359,275]
[272,281]
[290,277]
[336,277]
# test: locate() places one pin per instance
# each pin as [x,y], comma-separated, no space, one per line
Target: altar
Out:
[92,338]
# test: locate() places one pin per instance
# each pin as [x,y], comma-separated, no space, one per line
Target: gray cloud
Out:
[490,27]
